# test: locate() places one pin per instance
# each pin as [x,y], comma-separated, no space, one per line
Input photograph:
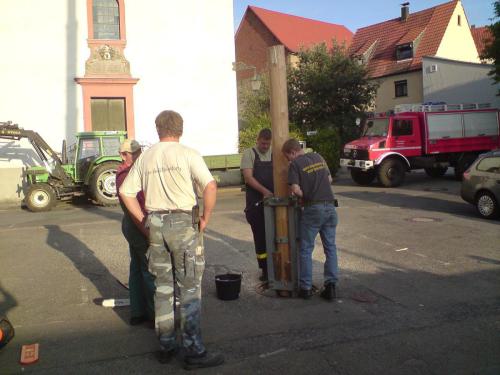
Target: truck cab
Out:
[422,136]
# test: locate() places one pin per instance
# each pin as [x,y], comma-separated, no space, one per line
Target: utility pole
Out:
[279,124]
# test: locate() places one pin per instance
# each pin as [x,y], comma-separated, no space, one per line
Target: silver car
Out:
[481,184]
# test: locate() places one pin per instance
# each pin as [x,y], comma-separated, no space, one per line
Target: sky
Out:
[355,14]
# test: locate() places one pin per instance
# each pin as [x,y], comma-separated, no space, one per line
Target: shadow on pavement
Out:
[7,301]
[85,262]
[394,199]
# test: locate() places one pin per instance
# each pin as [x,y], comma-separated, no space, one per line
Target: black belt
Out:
[310,203]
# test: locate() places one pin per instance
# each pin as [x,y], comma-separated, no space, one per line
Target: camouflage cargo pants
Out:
[176,259]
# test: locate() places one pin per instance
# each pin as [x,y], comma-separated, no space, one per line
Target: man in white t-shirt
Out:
[171,176]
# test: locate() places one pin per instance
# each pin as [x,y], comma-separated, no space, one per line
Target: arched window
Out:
[106,16]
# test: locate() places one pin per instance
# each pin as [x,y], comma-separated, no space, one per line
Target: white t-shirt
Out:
[168,173]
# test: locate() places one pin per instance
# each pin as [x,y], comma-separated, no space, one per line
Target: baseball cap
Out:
[130,145]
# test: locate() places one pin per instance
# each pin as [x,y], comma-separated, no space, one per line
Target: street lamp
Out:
[255,81]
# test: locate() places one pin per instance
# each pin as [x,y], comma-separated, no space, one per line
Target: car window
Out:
[491,165]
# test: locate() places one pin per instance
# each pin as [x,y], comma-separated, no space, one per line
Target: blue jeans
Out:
[318,218]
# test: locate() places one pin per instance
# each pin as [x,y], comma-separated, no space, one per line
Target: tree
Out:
[492,49]
[254,114]
[327,90]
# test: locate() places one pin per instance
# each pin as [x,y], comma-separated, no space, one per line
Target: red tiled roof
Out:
[295,32]
[482,36]
[429,23]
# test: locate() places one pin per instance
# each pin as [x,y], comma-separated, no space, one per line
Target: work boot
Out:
[203,360]
[328,292]
[164,356]
[264,277]
[305,293]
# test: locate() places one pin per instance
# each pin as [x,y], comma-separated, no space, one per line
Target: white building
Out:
[82,65]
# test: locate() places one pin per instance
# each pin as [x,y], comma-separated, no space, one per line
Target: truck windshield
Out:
[377,127]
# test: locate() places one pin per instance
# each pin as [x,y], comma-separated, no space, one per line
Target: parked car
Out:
[481,184]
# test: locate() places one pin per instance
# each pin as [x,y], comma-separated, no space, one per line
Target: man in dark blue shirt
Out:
[310,179]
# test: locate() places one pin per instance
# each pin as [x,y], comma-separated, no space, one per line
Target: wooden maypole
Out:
[279,121]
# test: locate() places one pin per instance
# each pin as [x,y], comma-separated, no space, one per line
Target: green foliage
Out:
[327,89]
[253,106]
[492,50]
[327,143]
[253,114]
[248,135]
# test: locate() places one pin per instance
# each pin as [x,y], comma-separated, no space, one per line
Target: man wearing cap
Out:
[172,176]
[140,280]
[309,179]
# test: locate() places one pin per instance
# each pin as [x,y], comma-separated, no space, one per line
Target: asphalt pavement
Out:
[419,290]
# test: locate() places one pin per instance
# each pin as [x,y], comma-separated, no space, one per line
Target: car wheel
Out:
[486,205]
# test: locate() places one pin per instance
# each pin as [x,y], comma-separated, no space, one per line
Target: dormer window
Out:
[359,60]
[404,51]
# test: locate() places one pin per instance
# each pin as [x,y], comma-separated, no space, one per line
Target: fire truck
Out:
[432,137]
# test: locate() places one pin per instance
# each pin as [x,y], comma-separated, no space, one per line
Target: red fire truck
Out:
[429,137]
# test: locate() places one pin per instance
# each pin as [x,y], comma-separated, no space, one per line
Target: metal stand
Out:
[293,242]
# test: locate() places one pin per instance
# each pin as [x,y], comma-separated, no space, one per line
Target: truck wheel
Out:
[391,173]
[462,165]
[103,184]
[40,197]
[436,172]
[486,205]
[361,177]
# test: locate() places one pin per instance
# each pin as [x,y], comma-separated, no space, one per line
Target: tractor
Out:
[86,168]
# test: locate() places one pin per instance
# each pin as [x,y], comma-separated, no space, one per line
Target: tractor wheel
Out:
[40,197]
[436,172]
[391,172]
[363,178]
[103,184]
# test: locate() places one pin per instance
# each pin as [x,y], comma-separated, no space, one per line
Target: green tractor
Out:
[87,168]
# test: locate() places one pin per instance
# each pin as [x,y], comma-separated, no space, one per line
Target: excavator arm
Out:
[49,158]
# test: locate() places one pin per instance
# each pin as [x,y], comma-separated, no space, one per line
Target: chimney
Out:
[405,11]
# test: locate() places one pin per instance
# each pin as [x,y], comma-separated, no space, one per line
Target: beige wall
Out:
[457,42]
[386,98]
[12,184]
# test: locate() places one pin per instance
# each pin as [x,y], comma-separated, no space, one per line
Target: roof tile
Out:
[482,36]
[432,22]
[296,32]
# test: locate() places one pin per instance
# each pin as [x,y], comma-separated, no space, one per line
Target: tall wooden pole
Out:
[279,121]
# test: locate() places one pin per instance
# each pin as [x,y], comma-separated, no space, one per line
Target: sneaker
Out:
[204,360]
[305,293]
[328,292]
[165,356]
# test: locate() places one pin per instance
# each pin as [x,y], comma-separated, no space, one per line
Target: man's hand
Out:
[267,193]
[203,223]
[253,183]
[209,198]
